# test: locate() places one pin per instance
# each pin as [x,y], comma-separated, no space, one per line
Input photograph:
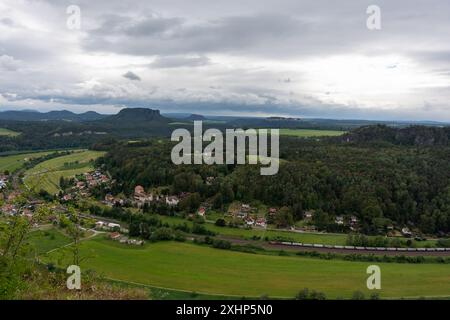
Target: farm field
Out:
[46,175]
[9,133]
[202,269]
[305,133]
[14,162]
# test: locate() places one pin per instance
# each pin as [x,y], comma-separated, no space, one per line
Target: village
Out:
[238,214]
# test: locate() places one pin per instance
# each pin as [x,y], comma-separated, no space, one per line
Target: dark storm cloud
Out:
[174,36]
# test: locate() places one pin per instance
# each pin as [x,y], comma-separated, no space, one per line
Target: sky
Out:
[216,57]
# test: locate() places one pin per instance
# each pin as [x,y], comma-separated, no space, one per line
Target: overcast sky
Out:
[246,57]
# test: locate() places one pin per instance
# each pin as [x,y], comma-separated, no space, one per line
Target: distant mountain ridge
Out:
[65,115]
[196,117]
[136,115]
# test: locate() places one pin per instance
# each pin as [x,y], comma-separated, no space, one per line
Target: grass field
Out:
[46,175]
[42,241]
[14,162]
[9,133]
[202,269]
[305,133]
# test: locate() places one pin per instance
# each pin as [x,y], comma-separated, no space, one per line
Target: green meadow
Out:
[9,133]
[184,266]
[42,241]
[306,133]
[46,175]
[14,162]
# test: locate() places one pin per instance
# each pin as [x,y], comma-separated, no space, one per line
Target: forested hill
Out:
[381,186]
[413,135]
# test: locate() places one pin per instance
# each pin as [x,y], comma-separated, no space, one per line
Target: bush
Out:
[305,294]
[358,295]
[220,222]
[375,296]
[443,243]
[221,244]
[201,229]
[178,236]
[162,234]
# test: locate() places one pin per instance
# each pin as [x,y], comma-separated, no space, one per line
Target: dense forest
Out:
[379,180]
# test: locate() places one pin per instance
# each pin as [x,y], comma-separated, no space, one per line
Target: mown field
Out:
[14,162]
[305,133]
[202,269]
[46,175]
[9,133]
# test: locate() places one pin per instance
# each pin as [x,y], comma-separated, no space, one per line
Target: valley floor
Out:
[204,270]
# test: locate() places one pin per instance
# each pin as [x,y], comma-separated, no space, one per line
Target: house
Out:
[9,209]
[109,198]
[261,222]
[28,214]
[353,220]
[99,224]
[112,226]
[406,232]
[80,185]
[241,214]
[115,236]
[249,221]
[201,211]
[339,220]
[92,183]
[139,191]
[67,197]
[308,215]
[172,200]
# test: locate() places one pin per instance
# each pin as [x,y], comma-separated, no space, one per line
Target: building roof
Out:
[139,189]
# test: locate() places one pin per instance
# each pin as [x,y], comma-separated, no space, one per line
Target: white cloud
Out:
[8,63]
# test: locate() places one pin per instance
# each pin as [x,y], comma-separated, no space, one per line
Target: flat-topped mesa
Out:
[137,115]
[141,113]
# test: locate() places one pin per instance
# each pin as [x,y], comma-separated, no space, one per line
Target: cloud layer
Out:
[261,57]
